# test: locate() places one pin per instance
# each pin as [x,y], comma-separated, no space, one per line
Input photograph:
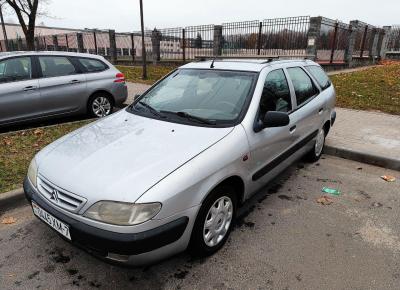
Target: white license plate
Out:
[56,224]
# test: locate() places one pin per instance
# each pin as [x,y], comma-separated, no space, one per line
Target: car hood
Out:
[122,156]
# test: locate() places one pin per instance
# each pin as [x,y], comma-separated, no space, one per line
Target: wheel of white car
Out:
[316,152]
[100,105]
[214,222]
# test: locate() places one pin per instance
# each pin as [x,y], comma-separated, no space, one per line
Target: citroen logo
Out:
[54,195]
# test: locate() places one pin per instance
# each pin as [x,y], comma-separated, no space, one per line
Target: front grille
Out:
[60,197]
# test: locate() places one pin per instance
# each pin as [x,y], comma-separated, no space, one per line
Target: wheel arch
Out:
[238,184]
[100,91]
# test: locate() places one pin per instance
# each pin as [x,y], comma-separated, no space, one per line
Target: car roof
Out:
[63,53]
[255,65]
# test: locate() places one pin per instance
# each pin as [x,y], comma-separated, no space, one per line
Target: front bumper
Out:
[101,242]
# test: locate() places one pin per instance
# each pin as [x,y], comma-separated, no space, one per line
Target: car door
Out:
[307,116]
[19,90]
[62,85]
[269,145]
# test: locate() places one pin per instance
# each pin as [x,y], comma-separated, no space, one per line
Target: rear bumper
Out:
[120,93]
[103,243]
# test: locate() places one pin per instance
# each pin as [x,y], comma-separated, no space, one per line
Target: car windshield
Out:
[198,96]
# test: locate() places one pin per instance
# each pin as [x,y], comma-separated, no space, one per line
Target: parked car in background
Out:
[170,171]
[42,85]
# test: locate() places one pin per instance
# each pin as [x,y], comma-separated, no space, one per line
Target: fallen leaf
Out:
[38,132]
[325,200]
[8,221]
[388,178]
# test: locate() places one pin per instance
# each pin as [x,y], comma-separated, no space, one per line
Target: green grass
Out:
[154,73]
[373,89]
[17,150]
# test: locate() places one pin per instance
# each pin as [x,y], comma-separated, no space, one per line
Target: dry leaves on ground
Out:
[8,221]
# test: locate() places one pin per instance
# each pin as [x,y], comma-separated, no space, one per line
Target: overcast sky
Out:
[123,15]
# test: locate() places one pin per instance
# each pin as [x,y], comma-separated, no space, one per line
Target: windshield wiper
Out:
[151,109]
[191,117]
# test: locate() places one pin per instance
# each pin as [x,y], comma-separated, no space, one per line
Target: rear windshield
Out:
[92,65]
[319,74]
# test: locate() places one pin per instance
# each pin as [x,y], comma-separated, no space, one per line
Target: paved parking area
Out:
[283,240]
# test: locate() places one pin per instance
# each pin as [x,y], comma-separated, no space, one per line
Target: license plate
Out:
[56,224]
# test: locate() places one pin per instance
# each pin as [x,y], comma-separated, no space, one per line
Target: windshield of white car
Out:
[198,96]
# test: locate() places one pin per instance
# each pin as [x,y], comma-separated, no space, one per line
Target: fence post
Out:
[313,34]
[37,43]
[95,42]
[184,45]
[155,41]
[113,46]
[373,44]
[364,38]
[133,51]
[334,41]
[383,46]
[218,39]
[66,42]
[19,44]
[79,40]
[259,39]
[348,54]
[55,42]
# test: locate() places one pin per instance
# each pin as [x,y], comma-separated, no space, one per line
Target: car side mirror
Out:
[272,119]
[275,119]
[136,97]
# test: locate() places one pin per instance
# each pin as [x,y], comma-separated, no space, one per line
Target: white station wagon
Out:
[169,172]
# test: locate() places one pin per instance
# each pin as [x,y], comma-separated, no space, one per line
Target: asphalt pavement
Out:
[284,239]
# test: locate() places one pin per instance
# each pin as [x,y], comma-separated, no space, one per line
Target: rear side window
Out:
[92,65]
[56,66]
[303,85]
[15,69]
[276,93]
[319,74]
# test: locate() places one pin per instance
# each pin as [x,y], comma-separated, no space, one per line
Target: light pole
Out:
[144,75]
[4,26]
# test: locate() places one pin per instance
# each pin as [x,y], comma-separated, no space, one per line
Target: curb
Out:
[363,157]
[12,199]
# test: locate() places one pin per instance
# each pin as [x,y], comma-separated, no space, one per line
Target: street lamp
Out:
[144,75]
[3,25]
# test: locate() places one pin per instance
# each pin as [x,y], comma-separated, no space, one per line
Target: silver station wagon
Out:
[43,85]
[169,172]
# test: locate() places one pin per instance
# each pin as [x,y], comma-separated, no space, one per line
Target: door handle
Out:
[30,88]
[74,82]
[292,129]
[321,111]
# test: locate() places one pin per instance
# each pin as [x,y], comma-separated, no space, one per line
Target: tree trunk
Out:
[30,40]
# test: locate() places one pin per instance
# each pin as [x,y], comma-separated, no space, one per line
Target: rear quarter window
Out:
[92,65]
[319,74]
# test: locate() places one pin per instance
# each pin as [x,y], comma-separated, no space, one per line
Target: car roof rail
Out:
[262,59]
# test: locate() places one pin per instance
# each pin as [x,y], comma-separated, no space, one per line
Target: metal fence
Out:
[364,32]
[394,38]
[332,41]
[283,37]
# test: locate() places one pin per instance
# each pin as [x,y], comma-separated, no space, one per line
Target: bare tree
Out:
[27,11]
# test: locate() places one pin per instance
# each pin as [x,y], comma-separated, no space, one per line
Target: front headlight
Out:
[32,172]
[122,214]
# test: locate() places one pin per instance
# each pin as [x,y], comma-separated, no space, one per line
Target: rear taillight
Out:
[119,78]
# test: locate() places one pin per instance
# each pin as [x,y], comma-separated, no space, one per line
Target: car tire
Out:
[100,105]
[316,151]
[214,224]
